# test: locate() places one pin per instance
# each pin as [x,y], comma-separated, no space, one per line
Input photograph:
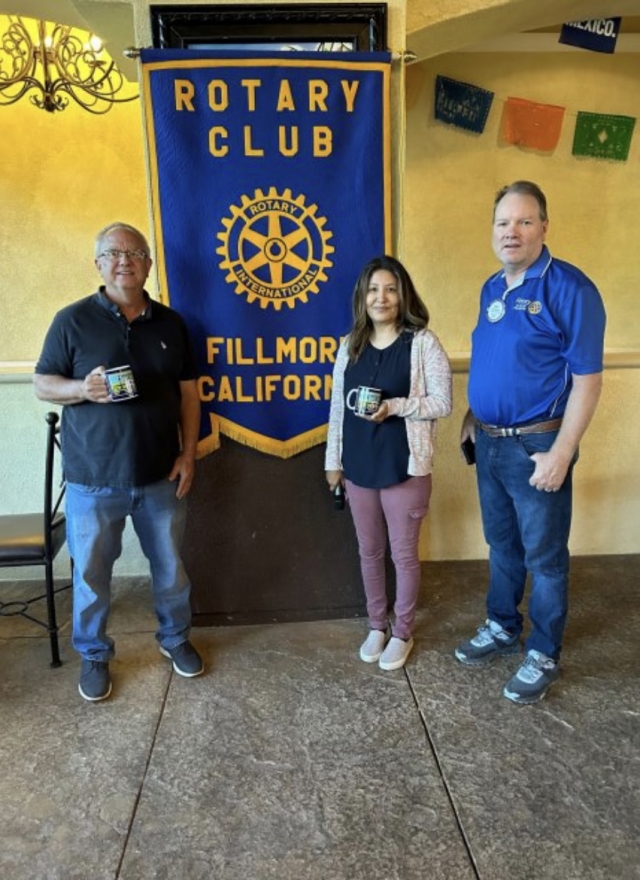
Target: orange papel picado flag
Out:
[532,125]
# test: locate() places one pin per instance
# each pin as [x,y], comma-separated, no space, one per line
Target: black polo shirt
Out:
[131,442]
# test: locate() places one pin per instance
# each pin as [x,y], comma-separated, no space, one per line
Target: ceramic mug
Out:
[120,383]
[366,401]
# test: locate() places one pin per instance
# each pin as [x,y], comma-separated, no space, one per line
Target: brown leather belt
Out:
[537,428]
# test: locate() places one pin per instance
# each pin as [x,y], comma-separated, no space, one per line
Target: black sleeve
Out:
[55,358]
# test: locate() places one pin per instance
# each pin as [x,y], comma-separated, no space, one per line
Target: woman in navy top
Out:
[385,459]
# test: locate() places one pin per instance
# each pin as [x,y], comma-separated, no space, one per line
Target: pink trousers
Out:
[396,511]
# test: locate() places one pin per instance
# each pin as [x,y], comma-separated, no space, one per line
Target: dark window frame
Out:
[185,27]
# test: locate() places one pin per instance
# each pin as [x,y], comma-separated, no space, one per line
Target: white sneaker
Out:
[373,646]
[395,654]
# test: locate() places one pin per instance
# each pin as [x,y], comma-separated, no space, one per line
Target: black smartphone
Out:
[469,451]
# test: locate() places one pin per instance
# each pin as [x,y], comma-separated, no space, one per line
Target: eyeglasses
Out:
[130,255]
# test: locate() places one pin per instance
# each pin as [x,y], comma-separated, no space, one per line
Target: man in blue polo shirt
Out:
[534,382]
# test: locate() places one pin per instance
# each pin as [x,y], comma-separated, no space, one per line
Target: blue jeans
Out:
[527,531]
[95,522]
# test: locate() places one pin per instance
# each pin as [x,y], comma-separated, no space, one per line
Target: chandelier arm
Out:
[6,100]
[95,108]
[98,94]
[90,81]
[97,105]
[19,49]
[25,86]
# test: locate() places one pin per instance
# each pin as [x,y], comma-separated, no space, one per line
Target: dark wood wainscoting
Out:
[264,542]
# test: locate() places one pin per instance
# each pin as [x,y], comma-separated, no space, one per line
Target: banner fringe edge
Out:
[278,448]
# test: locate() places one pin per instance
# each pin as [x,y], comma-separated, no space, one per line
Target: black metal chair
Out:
[36,539]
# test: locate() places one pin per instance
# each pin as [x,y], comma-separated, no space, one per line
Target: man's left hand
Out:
[182,471]
[551,470]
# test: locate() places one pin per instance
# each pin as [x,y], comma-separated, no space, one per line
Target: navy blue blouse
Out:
[377,455]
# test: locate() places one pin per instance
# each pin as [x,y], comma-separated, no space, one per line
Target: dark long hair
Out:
[412,312]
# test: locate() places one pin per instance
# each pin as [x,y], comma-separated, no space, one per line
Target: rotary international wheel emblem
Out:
[275,248]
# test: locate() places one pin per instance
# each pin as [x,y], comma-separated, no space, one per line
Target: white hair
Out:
[100,237]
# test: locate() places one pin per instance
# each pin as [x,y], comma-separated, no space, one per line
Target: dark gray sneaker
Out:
[533,679]
[186,660]
[95,681]
[490,641]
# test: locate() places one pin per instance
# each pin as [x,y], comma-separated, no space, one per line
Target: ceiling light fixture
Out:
[59,65]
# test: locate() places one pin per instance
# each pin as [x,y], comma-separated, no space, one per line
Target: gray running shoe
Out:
[186,660]
[95,682]
[490,641]
[532,680]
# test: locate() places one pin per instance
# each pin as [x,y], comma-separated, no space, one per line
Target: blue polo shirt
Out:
[552,325]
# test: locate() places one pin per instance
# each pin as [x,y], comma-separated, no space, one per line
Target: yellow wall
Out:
[451,178]
[63,176]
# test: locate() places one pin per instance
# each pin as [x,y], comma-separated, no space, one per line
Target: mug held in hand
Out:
[120,383]
[366,401]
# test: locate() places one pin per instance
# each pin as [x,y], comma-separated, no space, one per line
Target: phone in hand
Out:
[338,497]
[469,450]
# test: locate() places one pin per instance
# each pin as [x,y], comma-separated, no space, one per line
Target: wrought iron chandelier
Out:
[58,65]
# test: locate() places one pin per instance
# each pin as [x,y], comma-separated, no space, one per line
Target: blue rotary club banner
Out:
[270,178]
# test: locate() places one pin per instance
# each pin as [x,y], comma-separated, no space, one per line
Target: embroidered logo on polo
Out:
[496,310]
[275,248]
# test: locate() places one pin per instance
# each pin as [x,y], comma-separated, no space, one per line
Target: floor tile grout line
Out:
[136,803]
[445,785]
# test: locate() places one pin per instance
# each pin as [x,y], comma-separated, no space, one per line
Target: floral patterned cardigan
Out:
[429,399]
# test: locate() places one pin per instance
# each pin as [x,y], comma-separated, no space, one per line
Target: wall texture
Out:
[63,177]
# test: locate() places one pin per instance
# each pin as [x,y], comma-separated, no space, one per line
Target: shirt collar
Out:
[538,269]
[106,303]
[535,270]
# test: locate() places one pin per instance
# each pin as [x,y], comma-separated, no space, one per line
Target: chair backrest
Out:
[54,518]
[36,538]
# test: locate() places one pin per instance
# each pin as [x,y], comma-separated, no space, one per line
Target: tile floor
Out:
[291,759]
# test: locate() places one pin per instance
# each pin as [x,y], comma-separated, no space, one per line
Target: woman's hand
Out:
[334,478]
[380,414]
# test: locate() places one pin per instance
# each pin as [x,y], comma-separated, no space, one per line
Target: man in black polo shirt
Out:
[129,456]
